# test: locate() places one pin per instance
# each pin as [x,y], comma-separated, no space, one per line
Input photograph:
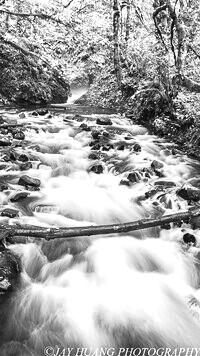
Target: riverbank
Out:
[178,121]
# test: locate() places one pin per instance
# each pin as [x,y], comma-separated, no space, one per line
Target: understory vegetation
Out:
[140,57]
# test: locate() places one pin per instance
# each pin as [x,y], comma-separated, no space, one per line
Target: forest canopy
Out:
[128,45]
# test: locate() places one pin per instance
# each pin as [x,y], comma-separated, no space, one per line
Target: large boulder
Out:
[26,79]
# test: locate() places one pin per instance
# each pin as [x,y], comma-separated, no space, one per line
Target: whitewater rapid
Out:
[136,290]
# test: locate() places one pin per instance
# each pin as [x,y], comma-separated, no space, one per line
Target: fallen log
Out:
[14,234]
[7,126]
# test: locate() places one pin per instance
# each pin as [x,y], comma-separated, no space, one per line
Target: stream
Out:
[123,294]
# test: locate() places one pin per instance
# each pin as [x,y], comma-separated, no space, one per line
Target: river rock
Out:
[10,156]
[23,158]
[125,182]
[107,147]
[106,134]
[121,147]
[189,193]
[3,187]
[22,115]
[10,269]
[19,196]
[84,127]
[156,165]
[4,142]
[10,213]
[93,156]
[98,169]
[137,147]
[34,113]
[96,134]
[189,239]
[2,121]
[96,147]
[166,184]
[78,118]
[25,166]
[104,121]
[19,135]
[134,177]
[29,181]
[42,112]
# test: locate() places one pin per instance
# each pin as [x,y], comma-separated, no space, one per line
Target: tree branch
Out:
[69,3]
[41,16]
[155,14]
[188,83]
[194,51]
[14,234]
[18,47]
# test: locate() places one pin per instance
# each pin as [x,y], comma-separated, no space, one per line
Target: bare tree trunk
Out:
[180,37]
[128,22]
[116,22]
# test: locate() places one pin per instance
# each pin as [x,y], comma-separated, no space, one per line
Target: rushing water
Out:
[105,293]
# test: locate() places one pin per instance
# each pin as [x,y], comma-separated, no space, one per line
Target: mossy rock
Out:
[29,80]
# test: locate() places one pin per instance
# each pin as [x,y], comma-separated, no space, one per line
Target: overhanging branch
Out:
[34,15]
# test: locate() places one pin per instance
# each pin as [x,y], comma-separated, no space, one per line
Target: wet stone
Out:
[104,121]
[19,135]
[34,113]
[19,196]
[10,213]
[98,169]
[22,115]
[121,147]
[96,134]
[188,193]
[156,165]
[78,118]
[189,239]
[84,127]
[25,166]
[29,181]
[167,184]
[107,147]
[137,148]
[10,269]
[93,156]
[127,138]
[134,177]
[2,121]
[10,156]
[125,182]
[4,142]
[23,158]
[96,147]
[3,187]
[42,112]
[106,134]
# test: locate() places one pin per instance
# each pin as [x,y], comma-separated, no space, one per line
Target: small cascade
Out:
[136,290]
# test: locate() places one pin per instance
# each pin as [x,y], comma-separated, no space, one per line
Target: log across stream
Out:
[78,169]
